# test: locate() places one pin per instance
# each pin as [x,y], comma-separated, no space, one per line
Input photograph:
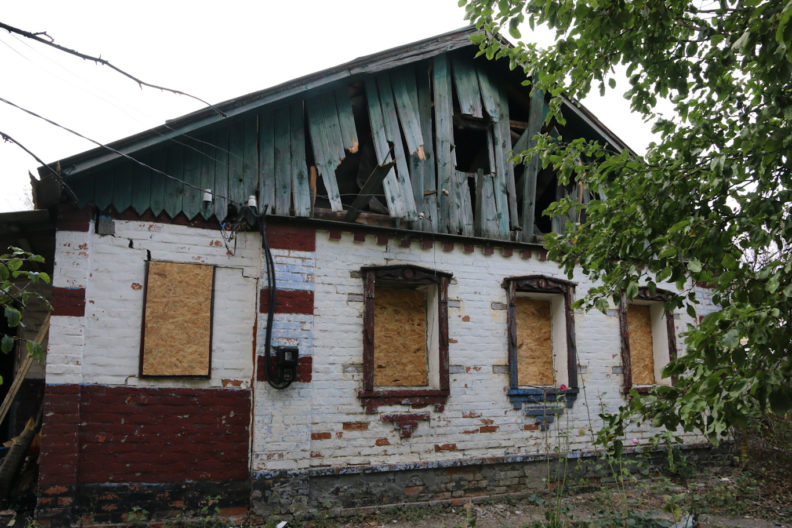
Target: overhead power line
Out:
[111,149]
[47,40]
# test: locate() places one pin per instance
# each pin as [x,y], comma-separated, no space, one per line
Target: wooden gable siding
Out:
[315,147]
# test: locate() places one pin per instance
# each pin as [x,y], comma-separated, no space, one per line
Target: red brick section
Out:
[304,368]
[406,424]
[321,436]
[288,301]
[356,426]
[162,435]
[68,301]
[291,237]
[59,439]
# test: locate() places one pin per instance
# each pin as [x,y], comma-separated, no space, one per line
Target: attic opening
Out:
[471,140]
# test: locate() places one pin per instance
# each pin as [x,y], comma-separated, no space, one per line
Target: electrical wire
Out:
[115,151]
[47,40]
[271,285]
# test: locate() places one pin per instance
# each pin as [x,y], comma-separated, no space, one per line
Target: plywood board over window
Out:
[177,320]
[534,342]
[639,325]
[400,338]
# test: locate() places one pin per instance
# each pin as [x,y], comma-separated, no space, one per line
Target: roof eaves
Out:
[376,62]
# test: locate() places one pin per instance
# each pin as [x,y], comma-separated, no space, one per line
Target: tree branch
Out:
[44,38]
[9,139]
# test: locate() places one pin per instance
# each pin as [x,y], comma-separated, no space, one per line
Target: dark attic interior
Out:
[419,138]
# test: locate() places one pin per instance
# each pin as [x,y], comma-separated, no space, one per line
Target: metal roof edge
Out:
[187,123]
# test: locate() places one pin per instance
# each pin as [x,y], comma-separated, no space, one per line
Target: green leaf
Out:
[6,344]
[694,265]
[13,317]
[728,261]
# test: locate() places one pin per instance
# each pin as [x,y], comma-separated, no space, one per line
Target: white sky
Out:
[214,50]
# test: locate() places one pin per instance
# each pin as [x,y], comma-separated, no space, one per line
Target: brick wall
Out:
[106,426]
[318,424]
[163,435]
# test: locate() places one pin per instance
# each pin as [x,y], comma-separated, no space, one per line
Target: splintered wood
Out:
[177,333]
[399,338]
[534,342]
[639,326]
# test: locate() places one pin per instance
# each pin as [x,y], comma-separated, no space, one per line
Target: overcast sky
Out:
[214,50]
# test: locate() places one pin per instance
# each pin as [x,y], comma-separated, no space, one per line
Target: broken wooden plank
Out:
[346,119]
[283,181]
[371,185]
[382,150]
[301,192]
[467,87]
[394,137]
[266,161]
[535,120]
[398,196]
[486,221]
[326,141]
[428,202]
[444,138]
[462,205]
[405,93]
[497,106]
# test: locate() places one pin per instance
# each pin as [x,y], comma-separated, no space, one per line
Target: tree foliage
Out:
[17,280]
[709,203]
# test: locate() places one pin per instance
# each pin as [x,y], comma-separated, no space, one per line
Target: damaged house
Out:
[326,295]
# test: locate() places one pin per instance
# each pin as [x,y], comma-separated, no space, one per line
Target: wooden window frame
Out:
[403,275]
[545,285]
[644,295]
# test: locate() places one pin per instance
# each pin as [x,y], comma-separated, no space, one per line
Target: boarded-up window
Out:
[541,340]
[405,336]
[639,328]
[177,320]
[400,338]
[534,342]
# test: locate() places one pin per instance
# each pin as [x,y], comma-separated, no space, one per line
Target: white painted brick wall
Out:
[478,395]
[104,346]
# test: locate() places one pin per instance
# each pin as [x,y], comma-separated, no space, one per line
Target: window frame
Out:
[645,297]
[404,275]
[544,285]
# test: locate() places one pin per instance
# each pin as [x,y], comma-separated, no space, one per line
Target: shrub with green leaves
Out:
[709,202]
[17,290]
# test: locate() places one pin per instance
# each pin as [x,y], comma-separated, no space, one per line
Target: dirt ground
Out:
[725,495]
